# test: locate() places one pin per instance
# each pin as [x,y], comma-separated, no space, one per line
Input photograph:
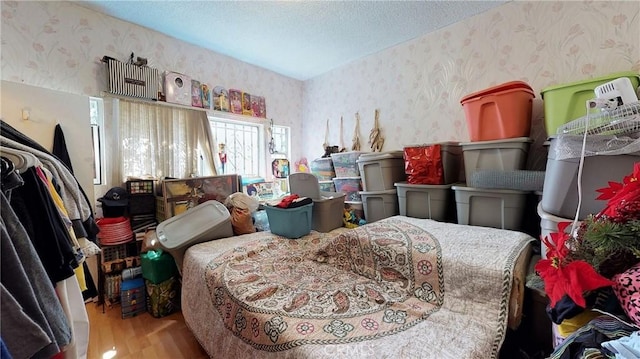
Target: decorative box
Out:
[177,88]
[131,80]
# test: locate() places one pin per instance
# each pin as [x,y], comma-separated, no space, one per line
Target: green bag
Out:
[164,297]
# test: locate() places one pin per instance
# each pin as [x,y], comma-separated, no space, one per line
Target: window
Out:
[240,146]
[159,140]
[280,138]
[96,108]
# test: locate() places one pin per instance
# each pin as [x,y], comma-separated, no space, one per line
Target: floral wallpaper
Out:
[59,44]
[417,85]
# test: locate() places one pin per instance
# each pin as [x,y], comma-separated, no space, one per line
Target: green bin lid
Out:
[607,78]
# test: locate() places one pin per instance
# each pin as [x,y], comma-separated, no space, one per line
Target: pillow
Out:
[627,290]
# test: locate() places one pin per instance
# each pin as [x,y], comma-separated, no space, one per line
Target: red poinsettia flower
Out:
[561,275]
[619,193]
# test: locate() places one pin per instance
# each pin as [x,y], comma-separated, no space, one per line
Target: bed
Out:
[397,288]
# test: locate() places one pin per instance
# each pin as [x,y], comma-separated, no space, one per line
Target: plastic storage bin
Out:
[379,171]
[548,225]
[499,112]
[204,222]
[290,222]
[157,266]
[327,206]
[345,163]
[327,186]
[490,208]
[323,168]
[132,297]
[451,161]
[560,195]
[566,102]
[379,204]
[504,155]
[349,185]
[425,201]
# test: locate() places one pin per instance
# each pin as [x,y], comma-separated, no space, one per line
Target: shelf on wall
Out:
[215,113]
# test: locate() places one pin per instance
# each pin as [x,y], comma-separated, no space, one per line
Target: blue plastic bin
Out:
[290,222]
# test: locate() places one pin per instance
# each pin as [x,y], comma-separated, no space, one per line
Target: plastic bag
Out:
[423,164]
[261,221]
[241,221]
[243,201]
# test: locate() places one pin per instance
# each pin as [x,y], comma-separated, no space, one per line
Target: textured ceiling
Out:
[298,39]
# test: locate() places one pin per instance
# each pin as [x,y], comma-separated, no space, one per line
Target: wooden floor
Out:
[142,336]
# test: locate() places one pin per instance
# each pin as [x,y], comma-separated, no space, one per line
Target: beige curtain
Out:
[163,141]
[208,146]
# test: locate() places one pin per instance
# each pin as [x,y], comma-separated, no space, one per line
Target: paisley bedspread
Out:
[400,282]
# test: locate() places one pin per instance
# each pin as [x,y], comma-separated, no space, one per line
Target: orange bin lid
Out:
[507,86]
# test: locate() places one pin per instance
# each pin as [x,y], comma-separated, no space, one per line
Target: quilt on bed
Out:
[395,282]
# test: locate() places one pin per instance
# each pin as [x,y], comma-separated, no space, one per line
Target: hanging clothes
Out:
[51,206]
[60,151]
[4,352]
[60,148]
[25,278]
[84,224]
[31,339]
[10,178]
[37,212]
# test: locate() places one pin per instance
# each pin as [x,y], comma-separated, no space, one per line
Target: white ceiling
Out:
[299,39]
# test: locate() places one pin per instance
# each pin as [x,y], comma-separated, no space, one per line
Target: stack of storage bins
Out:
[499,124]
[427,191]
[323,169]
[562,104]
[492,207]
[348,180]
[379,171]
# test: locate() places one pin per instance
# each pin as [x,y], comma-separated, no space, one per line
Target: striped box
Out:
[130,80]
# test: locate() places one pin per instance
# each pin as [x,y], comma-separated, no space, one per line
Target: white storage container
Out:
[548,225]
[327,206]
[204,222]
[425,201]
[490,208]
[323,168]
[379,204]
[505,155]
[560,194]
[379,171]
[349,185]
[327,186]
[345,163]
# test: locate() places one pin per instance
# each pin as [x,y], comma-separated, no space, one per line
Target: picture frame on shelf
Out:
[196,93]
[235,101]
[182,194]
[220,99]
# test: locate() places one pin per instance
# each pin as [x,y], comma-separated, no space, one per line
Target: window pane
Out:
[241,142]
[280,137]
[96,114]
